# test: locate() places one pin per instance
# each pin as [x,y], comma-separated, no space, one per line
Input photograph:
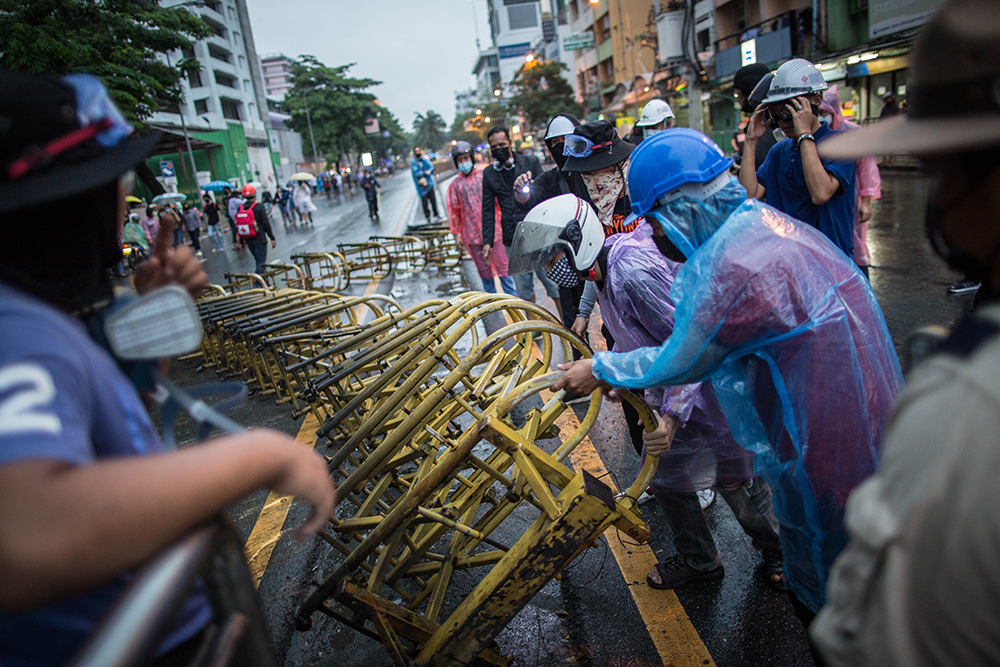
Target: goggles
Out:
[579,146]
[777,113]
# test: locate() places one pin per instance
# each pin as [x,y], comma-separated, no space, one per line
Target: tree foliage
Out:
[338,107]
[118,41]
[428,130]
[541,91]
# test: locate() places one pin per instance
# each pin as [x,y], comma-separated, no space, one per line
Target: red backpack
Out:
[246,223]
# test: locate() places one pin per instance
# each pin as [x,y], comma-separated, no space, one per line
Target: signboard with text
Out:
[514,50]
[371,126]
[886,17]
[581,40]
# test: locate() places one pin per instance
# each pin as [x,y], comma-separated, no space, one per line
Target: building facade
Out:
[277,72]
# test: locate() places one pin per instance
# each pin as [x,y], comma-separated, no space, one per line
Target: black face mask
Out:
[668,249]
[557,154]
[501,154]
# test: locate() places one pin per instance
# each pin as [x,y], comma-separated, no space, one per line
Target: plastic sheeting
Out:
[639,314]
[800,358]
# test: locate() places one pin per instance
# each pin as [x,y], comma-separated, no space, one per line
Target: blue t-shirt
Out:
[62,397]
[785,181]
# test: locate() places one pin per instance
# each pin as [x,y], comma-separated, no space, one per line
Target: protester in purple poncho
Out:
[633,281]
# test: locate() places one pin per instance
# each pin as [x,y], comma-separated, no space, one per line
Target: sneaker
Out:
[705,498]
[645,498]
[198,254]
[963,286]
[675,572]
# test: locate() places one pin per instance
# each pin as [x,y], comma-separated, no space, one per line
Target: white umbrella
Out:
[169,198]
[302,176]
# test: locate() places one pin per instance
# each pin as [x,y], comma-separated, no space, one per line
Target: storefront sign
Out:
[748,52]
[514,50]
[582,40]
[888,16]
[548,30]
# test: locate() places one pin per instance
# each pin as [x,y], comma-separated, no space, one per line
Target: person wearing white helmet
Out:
[656,117]
[794,179]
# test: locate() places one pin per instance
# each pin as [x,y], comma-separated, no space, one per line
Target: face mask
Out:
[562,274]
[501,154]
[604,190]
[649,133]
[826,118]
[556,151]
[465,167]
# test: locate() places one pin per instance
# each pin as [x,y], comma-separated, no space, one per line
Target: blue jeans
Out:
[750,502]
[506,282]
[259,251]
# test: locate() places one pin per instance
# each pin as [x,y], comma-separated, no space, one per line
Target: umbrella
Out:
[133,200]
[169,198]
[302,176]
[217,186]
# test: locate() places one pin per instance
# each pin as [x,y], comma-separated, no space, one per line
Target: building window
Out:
[170,108]
[194,80]
[522,16]
[231,109]
[220,53]
[217,28]
[246,85]
[214,5]
[243,62]
[188,52]
[226,80]
[201,106]
[253,110]
[236,38]
[605,27]
[232,14]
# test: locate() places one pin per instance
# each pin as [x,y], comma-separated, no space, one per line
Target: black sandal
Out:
[774,564]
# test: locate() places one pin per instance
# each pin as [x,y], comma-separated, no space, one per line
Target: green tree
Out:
[541,92]
[428,130]
[338,107]
[118,41]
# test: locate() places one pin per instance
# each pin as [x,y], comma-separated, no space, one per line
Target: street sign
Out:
[514,50]
[386,133]
[748,52]
[167,169]
[582,40]
[548,30]
[371,126]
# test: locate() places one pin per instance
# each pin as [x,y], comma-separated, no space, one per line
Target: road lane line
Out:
[271,519]
[675,638]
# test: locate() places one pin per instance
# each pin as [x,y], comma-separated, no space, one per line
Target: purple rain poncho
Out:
[800,358]
[639,313]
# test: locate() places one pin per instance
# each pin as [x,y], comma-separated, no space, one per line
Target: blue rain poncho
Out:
[639,313]
[794,342]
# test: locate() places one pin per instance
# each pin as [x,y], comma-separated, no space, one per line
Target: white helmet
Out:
[559,126]
[565,223]
[796,77]
[654,113]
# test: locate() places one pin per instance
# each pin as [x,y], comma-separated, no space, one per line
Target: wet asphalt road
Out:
[589,616]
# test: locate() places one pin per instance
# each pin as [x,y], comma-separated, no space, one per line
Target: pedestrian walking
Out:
[254,227]
[233,203]
[463,201]
[150,225]
[917,585]
[422,171]
[192,224]
[371,187]
[213,224]
[304,203]
[794,179]
[285,205]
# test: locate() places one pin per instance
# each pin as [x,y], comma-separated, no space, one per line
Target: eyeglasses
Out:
[578,146]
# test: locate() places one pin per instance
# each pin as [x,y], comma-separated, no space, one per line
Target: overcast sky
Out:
[421,50]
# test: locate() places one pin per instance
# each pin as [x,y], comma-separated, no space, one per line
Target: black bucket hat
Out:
[61,137]
[609,148]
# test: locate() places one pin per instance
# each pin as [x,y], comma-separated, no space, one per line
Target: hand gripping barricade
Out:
[422,419]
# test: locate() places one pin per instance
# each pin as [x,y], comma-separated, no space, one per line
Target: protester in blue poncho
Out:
[786,328]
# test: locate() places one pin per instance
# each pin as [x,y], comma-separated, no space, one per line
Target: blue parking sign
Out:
[167,169]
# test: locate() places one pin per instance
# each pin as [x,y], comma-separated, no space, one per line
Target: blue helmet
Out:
[668,160]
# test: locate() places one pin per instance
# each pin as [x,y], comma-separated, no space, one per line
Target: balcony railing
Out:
[778,38]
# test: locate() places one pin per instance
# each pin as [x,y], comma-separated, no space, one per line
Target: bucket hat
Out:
[954,90]
[607,148]
[60,137]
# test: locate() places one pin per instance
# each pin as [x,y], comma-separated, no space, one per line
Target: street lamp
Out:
[497,92]
[487,119]
[529,57]
[479,112]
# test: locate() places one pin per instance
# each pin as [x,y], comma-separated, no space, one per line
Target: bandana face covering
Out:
[562,274]
[605,189]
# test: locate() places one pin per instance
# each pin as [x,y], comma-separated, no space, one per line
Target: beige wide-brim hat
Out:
[954,90]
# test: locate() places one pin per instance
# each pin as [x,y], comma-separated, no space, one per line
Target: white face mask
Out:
[826,118]
[649,133]
[604,191]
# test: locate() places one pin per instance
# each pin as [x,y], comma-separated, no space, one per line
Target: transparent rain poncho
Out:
[639,313]
[794,342]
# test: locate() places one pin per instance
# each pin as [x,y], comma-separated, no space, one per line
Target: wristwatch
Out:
[804,135]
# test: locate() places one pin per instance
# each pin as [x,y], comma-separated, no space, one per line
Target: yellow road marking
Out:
[668,624]
[267,529]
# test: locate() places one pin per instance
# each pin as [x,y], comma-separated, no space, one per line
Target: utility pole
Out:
[312,138]
[695,119]
[187,139]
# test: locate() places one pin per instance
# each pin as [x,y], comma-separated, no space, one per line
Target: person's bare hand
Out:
[304,475]
[756,127]
[522,180]
[169,265]
[274,243]
[658,442]
[612,395]
[486,252]
[578,377]
[865,209]
[580,325]
[802,115]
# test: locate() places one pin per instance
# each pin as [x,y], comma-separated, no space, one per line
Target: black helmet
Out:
[460,149]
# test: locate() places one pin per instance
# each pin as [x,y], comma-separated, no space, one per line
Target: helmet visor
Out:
[534,247]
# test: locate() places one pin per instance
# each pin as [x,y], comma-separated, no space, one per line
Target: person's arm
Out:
[65,529]
[455,220]
[489,215]
[822,185]
[869,184]
[748,167]
[260,214]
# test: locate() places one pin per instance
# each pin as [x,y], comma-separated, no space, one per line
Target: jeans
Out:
[506,282]
[178,236]
[215,235]
[259,251]
[372,207]
[195,235]
[428,201]
[750,503]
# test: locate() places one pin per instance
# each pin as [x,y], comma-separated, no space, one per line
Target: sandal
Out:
[774,564]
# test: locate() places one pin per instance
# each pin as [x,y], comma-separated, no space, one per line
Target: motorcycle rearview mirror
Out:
[163,323]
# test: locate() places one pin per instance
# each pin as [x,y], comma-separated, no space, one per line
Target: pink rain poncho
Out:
[639,313]
[793,340]
[868,179]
